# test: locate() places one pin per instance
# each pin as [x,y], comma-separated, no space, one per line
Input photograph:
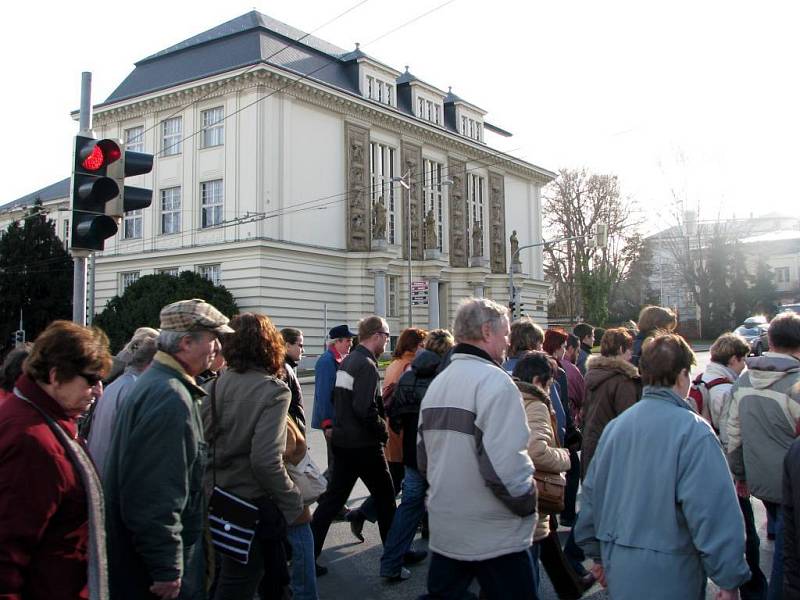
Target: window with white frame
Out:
[381,167]
[782,274]
[171,210]
[380,90]
[134,139]
[132,225]
[173,271]
[428,110]
[432,190]
[475,204]
[210,272]
[171,131]
[65,234]
[471,128]
[211,200]
[392,287]
[213,127]
[127,278]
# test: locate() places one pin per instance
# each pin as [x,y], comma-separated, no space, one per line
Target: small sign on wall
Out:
[419,293]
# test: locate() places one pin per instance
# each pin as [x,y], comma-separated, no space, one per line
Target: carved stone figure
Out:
[515,248]
[379,226]
[477,239]
[430,231]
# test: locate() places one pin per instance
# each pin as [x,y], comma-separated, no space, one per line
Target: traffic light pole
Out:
[79,256]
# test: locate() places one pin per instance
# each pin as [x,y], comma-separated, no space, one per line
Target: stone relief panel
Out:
[497,232]
[359,217]
[411,162]
[459,243]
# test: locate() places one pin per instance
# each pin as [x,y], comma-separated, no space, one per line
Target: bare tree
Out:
[573,206]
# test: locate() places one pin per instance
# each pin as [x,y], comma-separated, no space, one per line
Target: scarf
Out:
[98,567]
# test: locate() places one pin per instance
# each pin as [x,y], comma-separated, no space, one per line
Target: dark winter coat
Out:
[408,396]
[154,480]
[791,515]
[44,529]
[357,401]
[612,386]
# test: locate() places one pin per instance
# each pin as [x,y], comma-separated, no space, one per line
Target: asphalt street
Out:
[353,566]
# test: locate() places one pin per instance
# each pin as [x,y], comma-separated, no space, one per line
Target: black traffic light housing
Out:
[130,197]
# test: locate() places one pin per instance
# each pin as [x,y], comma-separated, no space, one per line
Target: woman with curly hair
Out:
[245,426]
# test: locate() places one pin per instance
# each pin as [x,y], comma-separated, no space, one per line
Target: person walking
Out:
[359,434]
[652,319]
[472,449]
[764,420]
[294,341]
[403,415]
[613,385]
[155,504]
[52,535]
[658,511]
[585,334]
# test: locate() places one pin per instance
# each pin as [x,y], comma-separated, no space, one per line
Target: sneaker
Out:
[321,571]
[401,576]
[413,557]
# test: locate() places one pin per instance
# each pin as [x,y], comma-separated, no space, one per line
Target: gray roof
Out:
[54,191]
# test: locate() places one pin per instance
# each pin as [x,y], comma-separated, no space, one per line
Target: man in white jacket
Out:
[472,448]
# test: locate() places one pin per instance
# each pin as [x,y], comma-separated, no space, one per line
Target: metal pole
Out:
[408,227]
[325,328]
[92,275]
[79,256]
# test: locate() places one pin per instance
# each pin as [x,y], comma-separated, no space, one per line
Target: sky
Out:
[688,102]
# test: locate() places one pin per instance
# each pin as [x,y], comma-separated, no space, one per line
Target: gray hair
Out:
[143,352]
[473,314]
[170,341]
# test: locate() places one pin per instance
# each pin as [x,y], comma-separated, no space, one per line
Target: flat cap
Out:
[193,315]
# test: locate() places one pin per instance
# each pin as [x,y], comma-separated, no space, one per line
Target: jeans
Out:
[304,576]
[501,578]
[406,520]
[775,589]
[193,584]
[350,464]
[756,587]
[534,552]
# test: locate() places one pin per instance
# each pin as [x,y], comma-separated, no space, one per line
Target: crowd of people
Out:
[181,468]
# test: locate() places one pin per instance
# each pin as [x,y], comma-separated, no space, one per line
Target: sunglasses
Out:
[91,378]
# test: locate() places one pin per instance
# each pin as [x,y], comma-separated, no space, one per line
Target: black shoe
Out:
[321,571]
[568,522]
[356,519]
[342,516]
[401,576]
[413,557]
[424,529]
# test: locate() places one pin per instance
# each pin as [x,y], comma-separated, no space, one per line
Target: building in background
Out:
[275,174]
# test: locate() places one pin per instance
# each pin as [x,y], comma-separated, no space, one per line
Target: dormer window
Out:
[380,90]
[429,110]
[471,128]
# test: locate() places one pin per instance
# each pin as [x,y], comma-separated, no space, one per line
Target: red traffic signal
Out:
[98,154]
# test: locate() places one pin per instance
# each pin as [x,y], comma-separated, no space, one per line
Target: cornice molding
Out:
[321,95]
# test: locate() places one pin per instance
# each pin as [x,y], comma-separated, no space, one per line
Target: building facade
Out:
[294,173]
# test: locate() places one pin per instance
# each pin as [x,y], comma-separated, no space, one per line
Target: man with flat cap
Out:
[154,470]
[340,339]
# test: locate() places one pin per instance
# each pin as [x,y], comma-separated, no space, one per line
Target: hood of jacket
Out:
[534,392]
[426,363]
[717,371]
[600,369]
[770,367]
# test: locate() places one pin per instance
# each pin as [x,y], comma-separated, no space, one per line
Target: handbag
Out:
[550,489]
[308,478]
[232,521]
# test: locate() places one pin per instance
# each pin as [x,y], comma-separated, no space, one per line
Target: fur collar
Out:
[612,363]
[534,392]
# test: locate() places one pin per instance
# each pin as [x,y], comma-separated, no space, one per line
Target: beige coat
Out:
[296,449]
[542,444]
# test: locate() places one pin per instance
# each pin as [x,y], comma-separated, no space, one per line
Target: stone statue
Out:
[431,242]
[515,248]
[477,239]
[379,226]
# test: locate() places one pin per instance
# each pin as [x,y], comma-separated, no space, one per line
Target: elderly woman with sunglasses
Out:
[51,530]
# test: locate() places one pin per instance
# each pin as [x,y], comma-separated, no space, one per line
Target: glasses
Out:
[386,333]
[91,378]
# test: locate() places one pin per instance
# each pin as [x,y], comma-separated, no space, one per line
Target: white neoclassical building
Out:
[276,173]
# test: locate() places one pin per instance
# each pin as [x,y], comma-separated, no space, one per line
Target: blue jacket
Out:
[658,485]
[324,380]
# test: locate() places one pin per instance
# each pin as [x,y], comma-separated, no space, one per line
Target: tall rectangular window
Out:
[438,114]
[211,201]
[210,272]
[370,87]
[65,234]
[173,271]
[171,132]
[389,94]
[125,279]
[782,274]
[132,225]
[381,166]
[432,190]
[392,286]
[213,127]
[475,185]
[421,108]
[171,210]
[134,139]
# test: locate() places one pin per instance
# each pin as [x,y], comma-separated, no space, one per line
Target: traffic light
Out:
[511,306]
[19,337]
[99,194]
[92,188]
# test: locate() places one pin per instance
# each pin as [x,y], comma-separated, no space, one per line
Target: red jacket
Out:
[44,529]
